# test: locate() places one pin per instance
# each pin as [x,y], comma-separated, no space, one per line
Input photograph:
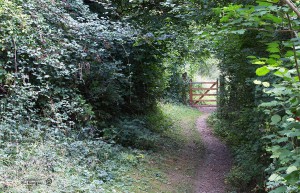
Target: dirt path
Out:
[216,161]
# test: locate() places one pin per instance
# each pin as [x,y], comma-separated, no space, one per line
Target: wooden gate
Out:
[203,94]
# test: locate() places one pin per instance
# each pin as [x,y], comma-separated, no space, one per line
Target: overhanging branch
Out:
[292,6]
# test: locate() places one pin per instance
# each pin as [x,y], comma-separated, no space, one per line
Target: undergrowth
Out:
[247,148]
[42,159]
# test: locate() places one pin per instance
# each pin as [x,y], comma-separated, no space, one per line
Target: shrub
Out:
[132,133]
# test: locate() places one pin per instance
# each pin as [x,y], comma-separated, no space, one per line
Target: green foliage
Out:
[238,178]
[41,159]
[67,73]
[67,67]
[38,76]
[246,146]
[181,117]
[132,133]
[172,29]
[33,162]
[238,121]
[277,24]
[283,136]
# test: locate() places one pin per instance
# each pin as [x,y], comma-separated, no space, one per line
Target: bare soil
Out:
[216,160]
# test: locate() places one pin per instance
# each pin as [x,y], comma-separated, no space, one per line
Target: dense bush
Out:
[68,67]
[238,120]
[242,133]
[132,133]
[276,131]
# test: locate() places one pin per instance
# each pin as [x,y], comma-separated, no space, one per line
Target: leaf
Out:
[257,82]
[241,31]
[273,18]
[289,53]
[266,84]
[2,71]
[273,50]
[252,57]
[281,189]
[290,169]
[293,133]
[282,139]
[263,3]
[276,56]
[275,177]
[262,71]
[270,136]
[275,119]
[293,177]
[295,125]
[259,62]
[269,104]
[272,61]
[278,73]
[224,19]
[273,47]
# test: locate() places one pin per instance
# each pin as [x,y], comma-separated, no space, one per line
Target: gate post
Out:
[217,92]
[191,92]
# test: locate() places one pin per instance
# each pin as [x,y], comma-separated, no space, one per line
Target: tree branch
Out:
[292,6]
[15,55]
[278,30]
[293,34]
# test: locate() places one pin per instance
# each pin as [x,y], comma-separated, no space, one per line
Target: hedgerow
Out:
[262,111]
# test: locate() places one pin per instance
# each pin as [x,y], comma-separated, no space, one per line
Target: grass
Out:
[178,153]
[36,164]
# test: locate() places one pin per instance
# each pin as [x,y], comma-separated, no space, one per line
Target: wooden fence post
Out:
[217,97]
[191,92]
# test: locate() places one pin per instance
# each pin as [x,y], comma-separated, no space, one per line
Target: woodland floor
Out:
[189,159]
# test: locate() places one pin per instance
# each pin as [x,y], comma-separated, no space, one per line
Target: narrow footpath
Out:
[216,161]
